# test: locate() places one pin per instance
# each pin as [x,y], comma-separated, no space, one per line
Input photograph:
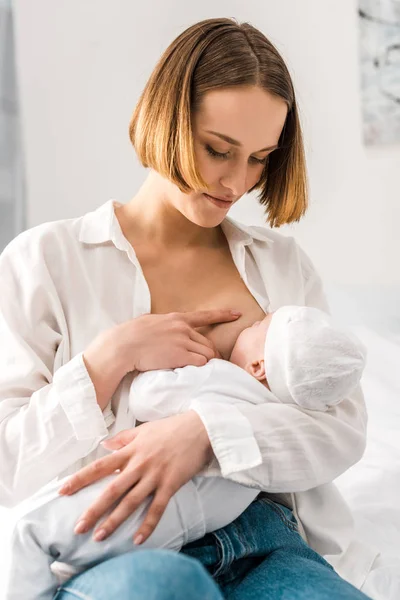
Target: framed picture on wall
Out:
[379,22]
[12,205]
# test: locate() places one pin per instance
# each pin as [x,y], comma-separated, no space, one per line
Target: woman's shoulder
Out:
[50,243]
[40,235]
[259,234]
[283,261]
[37,249]
[283,248]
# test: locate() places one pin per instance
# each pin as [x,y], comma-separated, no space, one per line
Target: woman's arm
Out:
[156,458]
[300,449]
[49,416]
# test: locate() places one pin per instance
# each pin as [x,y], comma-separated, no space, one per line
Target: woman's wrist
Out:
[105,366]
[202,436]
[124,346]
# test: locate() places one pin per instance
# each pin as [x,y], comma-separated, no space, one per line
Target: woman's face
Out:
[254,120]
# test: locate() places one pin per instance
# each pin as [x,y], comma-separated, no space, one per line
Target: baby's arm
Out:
[165,392]
[162,393]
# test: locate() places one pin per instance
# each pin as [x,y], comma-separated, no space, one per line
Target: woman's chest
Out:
[200,281]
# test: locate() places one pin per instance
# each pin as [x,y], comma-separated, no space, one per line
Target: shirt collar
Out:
[245,234]
[102,226]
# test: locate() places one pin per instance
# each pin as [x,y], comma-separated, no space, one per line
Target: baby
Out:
[294,355]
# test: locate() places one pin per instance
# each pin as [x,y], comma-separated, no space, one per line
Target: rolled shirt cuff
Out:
[231,436]
[77,396]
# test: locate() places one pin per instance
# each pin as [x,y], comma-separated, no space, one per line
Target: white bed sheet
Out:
[372,486]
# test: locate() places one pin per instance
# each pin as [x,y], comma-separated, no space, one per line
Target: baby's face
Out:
[249,347]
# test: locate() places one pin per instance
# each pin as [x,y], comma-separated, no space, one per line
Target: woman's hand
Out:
[154,458]
[149,342]
[168,341]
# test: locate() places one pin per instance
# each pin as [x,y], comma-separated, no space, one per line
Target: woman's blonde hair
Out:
[212,54]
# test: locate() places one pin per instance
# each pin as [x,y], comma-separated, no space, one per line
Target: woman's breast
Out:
[224,335]
[201,282]
[235,296]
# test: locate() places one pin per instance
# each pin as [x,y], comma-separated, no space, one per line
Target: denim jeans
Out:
[260,556]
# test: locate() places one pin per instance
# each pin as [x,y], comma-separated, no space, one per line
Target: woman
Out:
[151,284]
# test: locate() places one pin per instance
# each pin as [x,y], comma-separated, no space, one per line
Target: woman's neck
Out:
[151,215]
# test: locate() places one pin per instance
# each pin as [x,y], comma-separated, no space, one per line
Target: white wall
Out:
[83,64]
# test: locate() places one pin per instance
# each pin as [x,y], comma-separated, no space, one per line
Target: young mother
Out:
[151,284]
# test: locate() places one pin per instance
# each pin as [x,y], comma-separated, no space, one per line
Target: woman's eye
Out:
[223,156]
[215,153]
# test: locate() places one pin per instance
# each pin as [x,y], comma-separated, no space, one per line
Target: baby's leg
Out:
[44,534]
[222,500]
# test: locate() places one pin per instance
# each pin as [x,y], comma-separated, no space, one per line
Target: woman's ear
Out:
[256,369]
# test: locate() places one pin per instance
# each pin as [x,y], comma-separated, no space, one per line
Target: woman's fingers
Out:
[198,337]
[113,492]
[131,502]
[200,318]
[197,360]
[153,516]
[93,472]
[166,454]
[197,348]
[121,439]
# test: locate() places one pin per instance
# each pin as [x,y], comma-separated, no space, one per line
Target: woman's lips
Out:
[219,203]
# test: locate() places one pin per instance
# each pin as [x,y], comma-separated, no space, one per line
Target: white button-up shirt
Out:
[63,282]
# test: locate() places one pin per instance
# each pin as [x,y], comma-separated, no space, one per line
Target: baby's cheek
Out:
[235,356]
[241,352]
[255,343]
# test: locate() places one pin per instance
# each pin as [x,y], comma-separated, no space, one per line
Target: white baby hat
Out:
[309,360]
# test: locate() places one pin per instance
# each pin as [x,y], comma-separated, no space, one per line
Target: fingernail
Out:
[100,535]
[138,539]
[81,527]
[105,443]
[236,313]
[64,489]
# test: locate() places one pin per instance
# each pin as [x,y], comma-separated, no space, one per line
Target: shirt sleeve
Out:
[162,393]
[165,392]
[299,448]
[49,417]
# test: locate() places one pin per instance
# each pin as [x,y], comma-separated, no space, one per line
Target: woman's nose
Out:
[236,180]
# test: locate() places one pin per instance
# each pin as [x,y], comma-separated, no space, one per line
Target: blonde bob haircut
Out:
[212,54]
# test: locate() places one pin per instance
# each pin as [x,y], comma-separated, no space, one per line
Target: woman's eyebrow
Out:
[235,142]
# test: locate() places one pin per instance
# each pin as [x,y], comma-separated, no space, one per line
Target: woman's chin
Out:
[206,218]
[209,215]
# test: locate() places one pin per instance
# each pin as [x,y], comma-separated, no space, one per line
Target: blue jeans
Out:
[259,556]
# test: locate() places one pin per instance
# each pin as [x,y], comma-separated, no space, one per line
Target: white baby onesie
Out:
[44,534]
